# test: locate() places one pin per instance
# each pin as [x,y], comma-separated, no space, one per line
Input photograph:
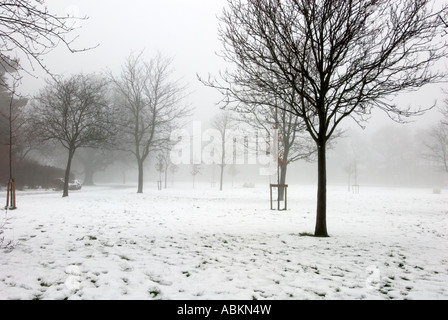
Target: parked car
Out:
[74,185]
[58,184]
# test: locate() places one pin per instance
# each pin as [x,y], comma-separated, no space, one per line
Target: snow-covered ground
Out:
[108,242]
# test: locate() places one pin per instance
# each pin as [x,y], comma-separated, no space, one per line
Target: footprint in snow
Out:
[73,281]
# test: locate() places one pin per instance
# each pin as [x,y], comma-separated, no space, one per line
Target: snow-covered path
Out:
[107,242]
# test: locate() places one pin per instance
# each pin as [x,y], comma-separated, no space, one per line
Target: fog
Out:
[122,128]
[184,30]
[386,153]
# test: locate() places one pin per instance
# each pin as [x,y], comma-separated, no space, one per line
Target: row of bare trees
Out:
[28,31]
[133,112]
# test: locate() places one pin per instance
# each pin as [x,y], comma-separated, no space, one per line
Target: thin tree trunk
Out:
[67,172]
[166,176]
[349,180]
[221,178]
[140,176]
[281,190]
[321,215]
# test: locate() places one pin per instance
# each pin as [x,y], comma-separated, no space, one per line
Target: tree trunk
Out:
[67,173]
[221,178]
[281,190]
[140,176]
[321,216]
[166,176]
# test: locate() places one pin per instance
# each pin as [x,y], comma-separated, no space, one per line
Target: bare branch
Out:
[29,31]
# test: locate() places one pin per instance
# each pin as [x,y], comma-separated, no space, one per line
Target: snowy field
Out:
[108,242]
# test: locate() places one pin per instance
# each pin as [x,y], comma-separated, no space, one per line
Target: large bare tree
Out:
[76,113]
[341,58]
[152,106]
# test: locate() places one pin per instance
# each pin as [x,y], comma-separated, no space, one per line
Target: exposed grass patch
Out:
[154,292]
[43,283]
[306,234]
[123,257]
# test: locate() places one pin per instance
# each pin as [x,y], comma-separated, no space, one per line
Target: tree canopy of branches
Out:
[29,32]
[340,59]
[76,113]
[152,106]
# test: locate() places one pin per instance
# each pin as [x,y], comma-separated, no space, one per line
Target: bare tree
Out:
[173,169]
[439,145]
[163,165]
[223,122]
[11,130]
[94,160]
[152,106]
[160,168]
[166,161]
[195,170]
[11,117]
[444,112]
[293,145]
[437,142]
[341,58]
[30,31]
[76,113]
[350,168]
[354,153]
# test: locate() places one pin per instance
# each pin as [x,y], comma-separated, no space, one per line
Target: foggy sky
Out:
[187,31]
[184,30]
